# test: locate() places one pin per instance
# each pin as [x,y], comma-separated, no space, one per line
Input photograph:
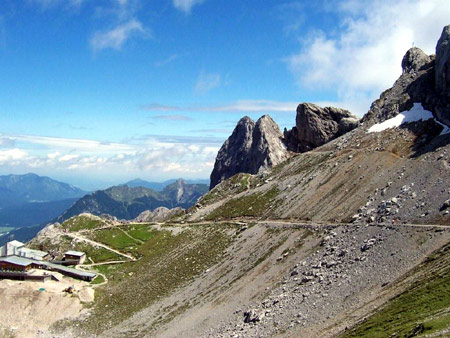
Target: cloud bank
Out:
[160,156]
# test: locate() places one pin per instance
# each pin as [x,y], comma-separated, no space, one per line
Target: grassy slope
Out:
[255,205]
[166,262]
[82,223]
[424,308]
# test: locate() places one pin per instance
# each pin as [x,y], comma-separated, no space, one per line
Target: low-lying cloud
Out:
[158,156]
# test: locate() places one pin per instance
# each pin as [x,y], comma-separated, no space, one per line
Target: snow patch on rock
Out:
[416,113]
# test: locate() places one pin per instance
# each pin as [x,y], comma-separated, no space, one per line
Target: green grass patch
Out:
[255,205]
[78,223]
[98,280]
[424,307]
[116,239]
[97,254]
[141,232]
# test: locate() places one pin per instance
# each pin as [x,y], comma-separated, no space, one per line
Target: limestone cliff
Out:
[251,148]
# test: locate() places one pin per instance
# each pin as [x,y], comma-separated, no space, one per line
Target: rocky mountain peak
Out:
[414,59]
[252,147]
[267,146]
[425,80]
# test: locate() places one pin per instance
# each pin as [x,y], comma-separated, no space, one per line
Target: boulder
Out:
[316,126]
[253,316]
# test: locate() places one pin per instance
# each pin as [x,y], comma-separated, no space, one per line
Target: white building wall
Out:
[31,254]
[12,249]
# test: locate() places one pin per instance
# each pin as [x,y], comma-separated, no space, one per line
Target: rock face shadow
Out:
[428,137]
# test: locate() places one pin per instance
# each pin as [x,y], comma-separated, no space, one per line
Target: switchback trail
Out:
[100,245]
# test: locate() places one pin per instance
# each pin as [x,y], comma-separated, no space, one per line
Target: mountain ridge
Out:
[159,186]
[17,189]
[126,202]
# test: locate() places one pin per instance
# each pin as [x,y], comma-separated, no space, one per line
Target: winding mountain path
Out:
[100,245]
[300,224]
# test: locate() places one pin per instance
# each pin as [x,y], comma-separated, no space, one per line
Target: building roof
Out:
[74,253]
[16,260]
[34,252]
[73,271]
[16,243]
[25,262]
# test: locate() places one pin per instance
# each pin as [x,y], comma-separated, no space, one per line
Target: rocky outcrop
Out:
[316,126]
[254,147]
[414,59]
[425,79]
[158,215]
[442,67]
[267,147]
[251,148]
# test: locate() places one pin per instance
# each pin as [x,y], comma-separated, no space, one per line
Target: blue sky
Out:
[99,92]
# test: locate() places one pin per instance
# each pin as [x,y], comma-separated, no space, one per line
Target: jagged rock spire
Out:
[252,147]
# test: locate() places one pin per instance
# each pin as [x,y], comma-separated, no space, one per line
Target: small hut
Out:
[77,257]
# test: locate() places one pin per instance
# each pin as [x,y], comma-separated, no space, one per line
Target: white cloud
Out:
[162,157]
[12,155]
[364,58]
[54,155]
[116,37]
[68,157]
[79,145]
[206,82]
[186,5]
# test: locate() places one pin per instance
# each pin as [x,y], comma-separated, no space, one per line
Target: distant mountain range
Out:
[20,189]
[28,202]
[159,186]
[125,202]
